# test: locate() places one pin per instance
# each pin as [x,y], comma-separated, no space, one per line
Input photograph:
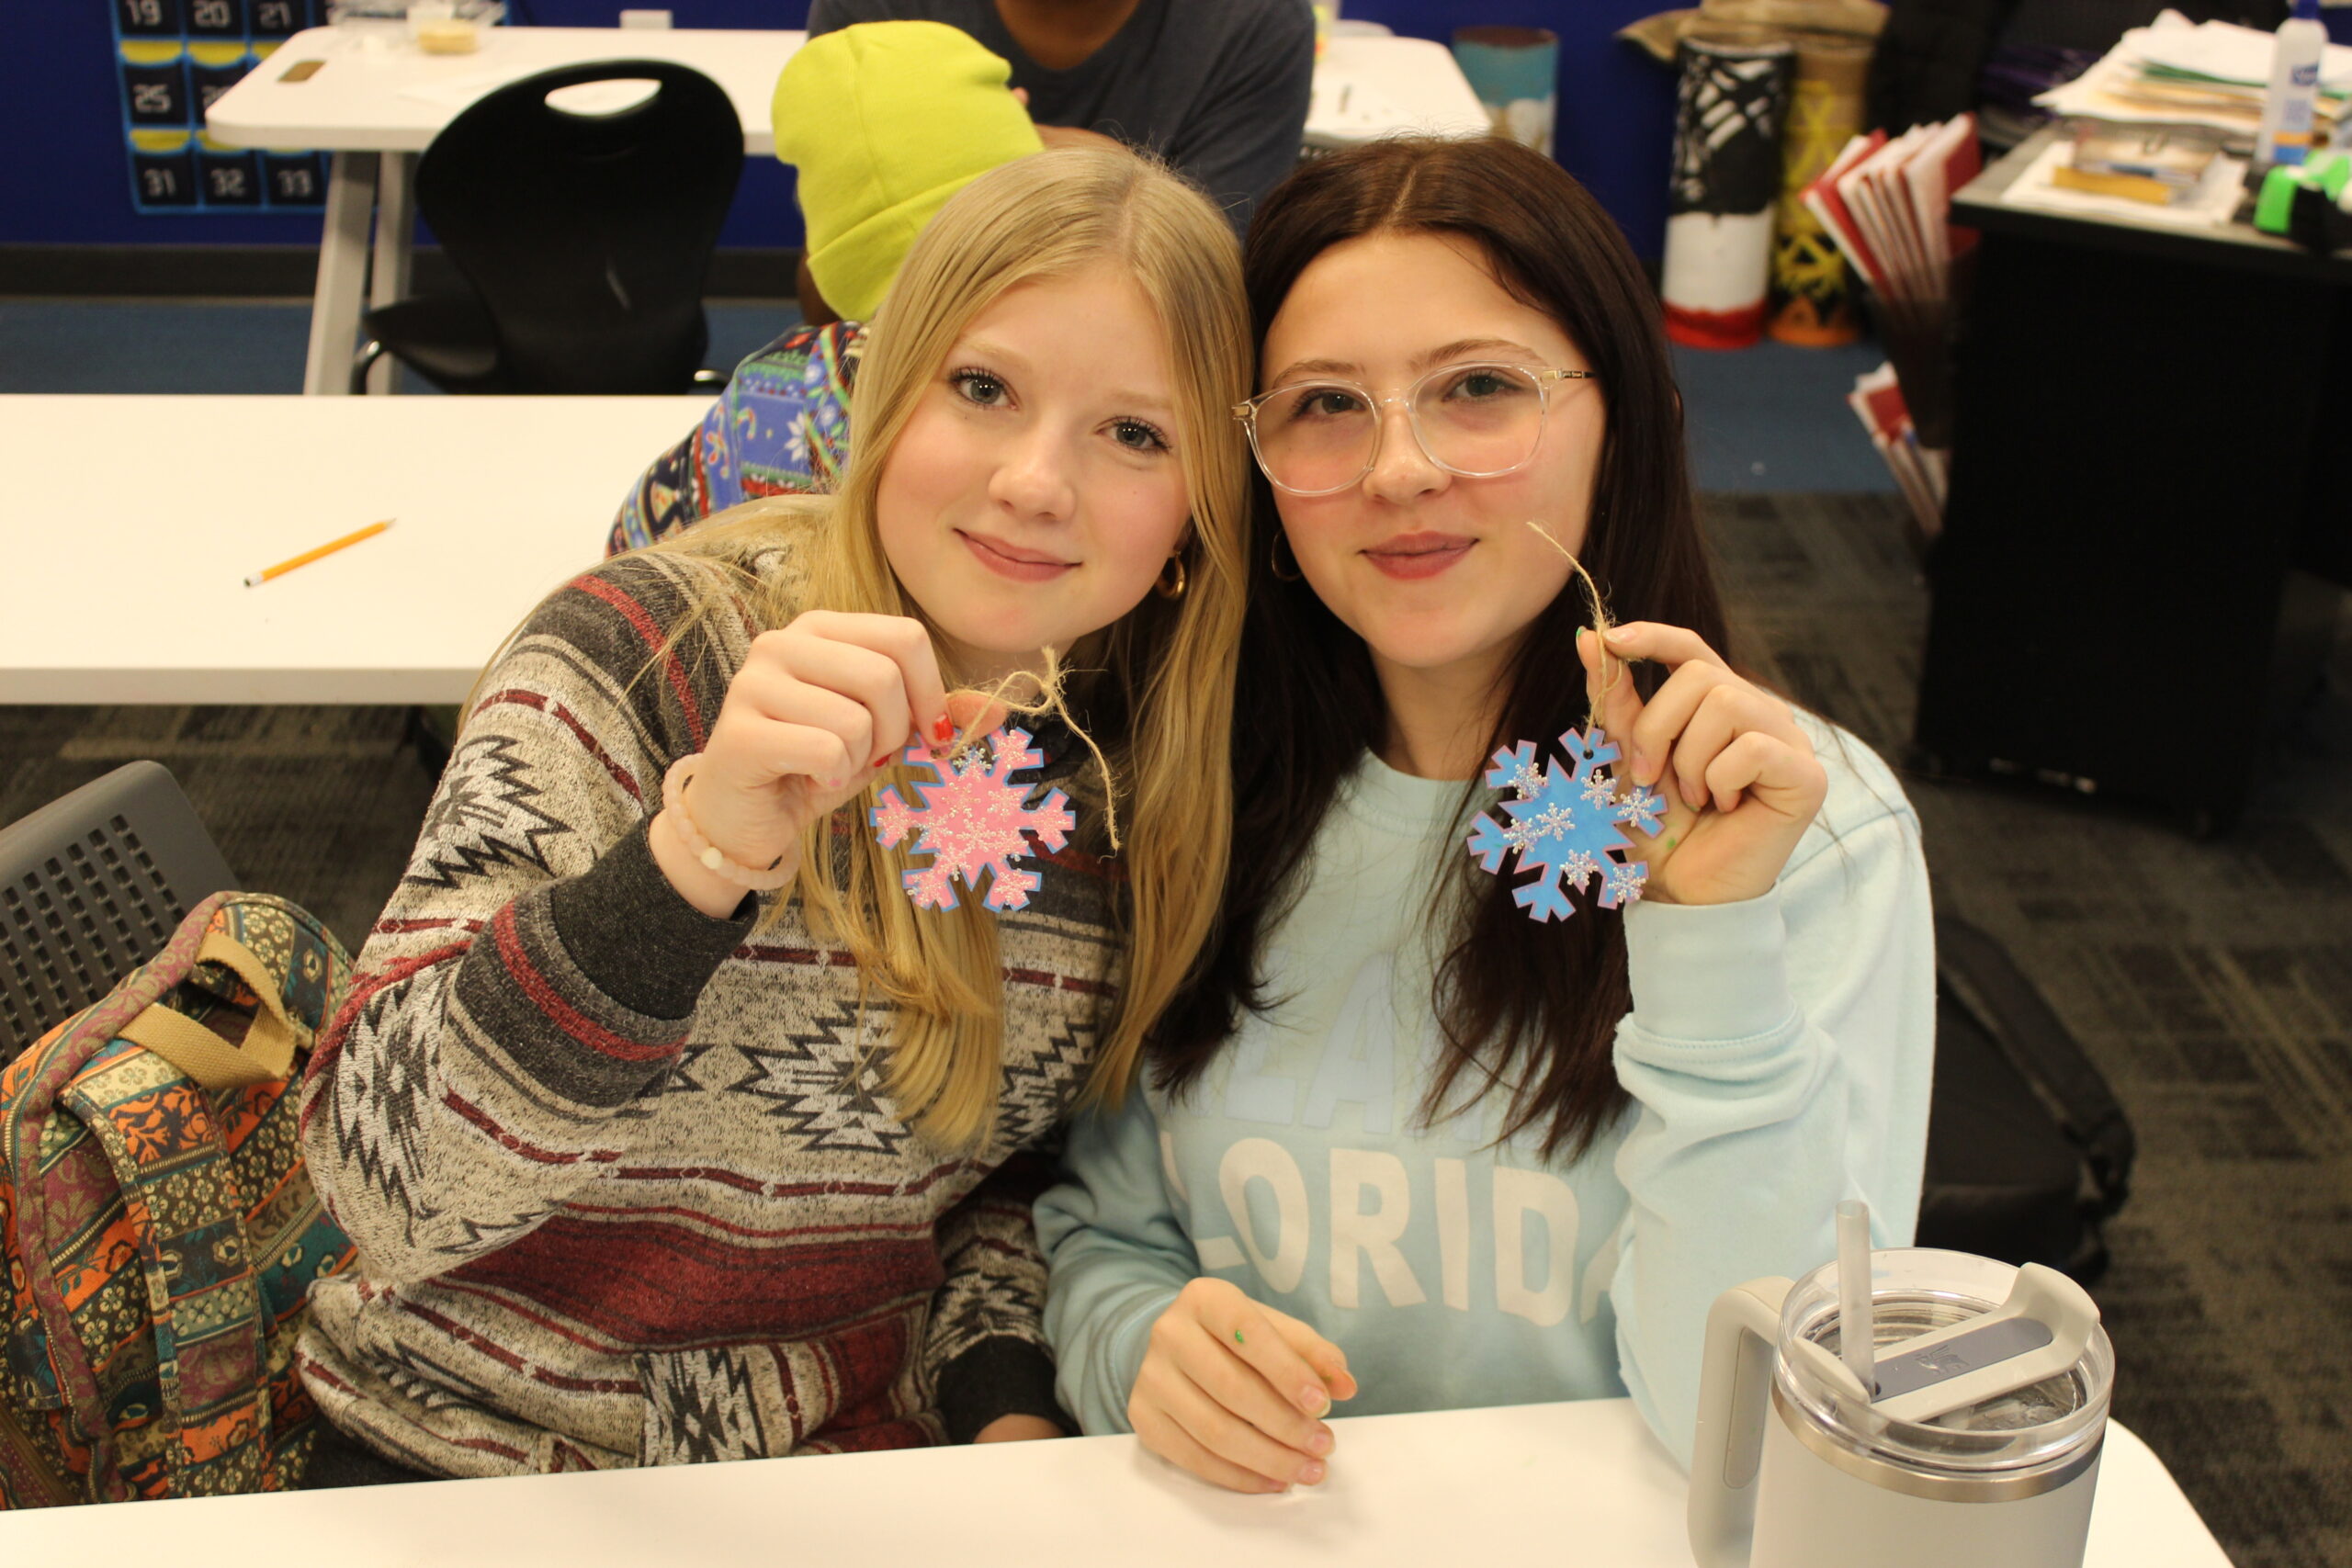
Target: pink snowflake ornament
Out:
[974,818]
[1567,825]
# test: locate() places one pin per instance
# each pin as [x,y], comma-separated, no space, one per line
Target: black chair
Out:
[584,238]
[91,886]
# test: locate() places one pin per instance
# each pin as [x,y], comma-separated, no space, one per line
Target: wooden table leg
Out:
[342,274]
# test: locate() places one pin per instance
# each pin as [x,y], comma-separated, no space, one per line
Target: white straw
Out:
[1857,1332]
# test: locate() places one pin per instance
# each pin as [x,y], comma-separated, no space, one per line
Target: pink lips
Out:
[1409,556]
[1007,559]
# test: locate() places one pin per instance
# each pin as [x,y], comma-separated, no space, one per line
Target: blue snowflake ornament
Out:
[974,818]
[1567,825]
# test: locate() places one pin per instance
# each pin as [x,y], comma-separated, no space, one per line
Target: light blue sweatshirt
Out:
[1778,1057]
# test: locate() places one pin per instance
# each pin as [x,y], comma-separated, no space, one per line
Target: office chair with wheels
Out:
[584,236]
[91,886]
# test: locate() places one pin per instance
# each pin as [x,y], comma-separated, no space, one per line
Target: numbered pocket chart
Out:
[175,57]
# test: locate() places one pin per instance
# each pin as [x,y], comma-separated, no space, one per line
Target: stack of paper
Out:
[1877,402]
[2212,74]
[1887,203]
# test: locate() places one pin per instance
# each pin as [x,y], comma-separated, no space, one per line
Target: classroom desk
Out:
[1368,86]
[2151,507]
[139,596]
[375,108]
[1523,1486]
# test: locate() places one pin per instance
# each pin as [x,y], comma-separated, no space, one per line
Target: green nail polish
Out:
[1237,1339]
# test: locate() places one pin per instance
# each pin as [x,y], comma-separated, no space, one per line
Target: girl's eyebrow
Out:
[1152,402]
[1421,361]
[982,348]
[1013,359]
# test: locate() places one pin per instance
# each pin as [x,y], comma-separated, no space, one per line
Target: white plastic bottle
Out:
[2288,106]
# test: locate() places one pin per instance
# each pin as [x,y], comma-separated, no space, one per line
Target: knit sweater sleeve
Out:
[1779,1055]
[534,974]
[780,427]
[986,1345]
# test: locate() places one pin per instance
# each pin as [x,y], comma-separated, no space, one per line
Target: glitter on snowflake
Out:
[1624,884]
[1644,808]
[1567,825]
[974,819]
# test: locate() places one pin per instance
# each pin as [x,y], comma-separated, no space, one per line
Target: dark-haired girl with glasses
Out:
[1403,1145]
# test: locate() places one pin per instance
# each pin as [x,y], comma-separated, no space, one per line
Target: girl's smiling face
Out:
[1035,492]
[1438,573]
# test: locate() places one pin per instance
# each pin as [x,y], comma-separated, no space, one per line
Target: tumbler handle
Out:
[1743,1337]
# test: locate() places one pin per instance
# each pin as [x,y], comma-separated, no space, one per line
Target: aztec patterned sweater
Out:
[780,427]
[624,1181]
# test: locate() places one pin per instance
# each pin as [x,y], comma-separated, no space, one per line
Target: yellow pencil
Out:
[307,556]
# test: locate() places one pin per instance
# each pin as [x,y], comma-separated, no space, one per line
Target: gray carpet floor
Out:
[2212,981]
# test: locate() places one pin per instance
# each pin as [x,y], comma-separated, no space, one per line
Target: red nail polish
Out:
[880,761]
[943,730]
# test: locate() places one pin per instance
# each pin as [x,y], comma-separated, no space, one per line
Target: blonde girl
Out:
[667,1129]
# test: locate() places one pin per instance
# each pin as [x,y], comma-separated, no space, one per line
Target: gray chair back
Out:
[91,886]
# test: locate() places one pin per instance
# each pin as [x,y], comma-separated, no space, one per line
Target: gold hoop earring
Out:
[1167,589]
[1274,560]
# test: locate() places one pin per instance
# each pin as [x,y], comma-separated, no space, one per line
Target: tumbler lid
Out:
[1980,1370]
[1977,1363]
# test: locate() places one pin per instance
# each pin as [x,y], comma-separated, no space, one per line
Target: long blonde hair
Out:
[1166,669]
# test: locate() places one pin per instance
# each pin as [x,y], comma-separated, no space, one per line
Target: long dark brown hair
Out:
[1527,1008]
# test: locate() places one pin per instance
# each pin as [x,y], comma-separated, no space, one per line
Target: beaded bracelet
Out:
[709,856]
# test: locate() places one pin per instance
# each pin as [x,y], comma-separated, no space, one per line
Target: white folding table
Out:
[374,107]
[1516,1487]
[139,595]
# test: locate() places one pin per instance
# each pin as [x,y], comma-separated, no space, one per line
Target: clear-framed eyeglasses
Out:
[1477,420]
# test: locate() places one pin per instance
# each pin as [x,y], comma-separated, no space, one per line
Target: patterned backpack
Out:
[159,1231]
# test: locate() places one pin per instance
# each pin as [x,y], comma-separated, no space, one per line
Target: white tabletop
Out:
[1521,1487]
[138,596]
[1367,87]
[372,98]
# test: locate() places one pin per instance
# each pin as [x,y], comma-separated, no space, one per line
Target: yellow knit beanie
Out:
[886,120]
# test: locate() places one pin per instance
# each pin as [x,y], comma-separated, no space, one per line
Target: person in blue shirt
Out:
[1402,1144]
[1218,89]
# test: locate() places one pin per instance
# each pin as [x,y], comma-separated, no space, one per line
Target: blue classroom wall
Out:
[68,177]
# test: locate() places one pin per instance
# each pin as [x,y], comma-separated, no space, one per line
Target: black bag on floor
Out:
[2028,1151]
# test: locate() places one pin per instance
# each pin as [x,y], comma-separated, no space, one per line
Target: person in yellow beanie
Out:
[885,121]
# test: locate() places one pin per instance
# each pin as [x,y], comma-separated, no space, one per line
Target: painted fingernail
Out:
[1311,1471]
[880,761]
[942,730]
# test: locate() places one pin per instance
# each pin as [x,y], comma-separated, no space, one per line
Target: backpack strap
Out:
[162,1141]
[59,1060]
[1976,972]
